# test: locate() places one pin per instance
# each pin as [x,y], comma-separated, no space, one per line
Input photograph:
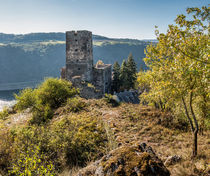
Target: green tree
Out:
[132,71]
[116,77]
[124,80]
[179,65]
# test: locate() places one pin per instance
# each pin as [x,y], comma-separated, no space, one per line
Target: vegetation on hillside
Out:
[124,77]
[32,57]
[52,131]
[178,76]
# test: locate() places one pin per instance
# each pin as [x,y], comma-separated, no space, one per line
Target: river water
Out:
[7,98]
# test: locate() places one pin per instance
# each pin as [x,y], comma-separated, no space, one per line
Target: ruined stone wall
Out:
[79,55]
[79,66]
[102,78]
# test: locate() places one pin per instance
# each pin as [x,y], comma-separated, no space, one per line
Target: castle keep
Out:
[80,69]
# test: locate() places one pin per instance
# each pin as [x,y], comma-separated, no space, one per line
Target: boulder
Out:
[136,160]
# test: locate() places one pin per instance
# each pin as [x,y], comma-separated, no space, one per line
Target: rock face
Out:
[138,160]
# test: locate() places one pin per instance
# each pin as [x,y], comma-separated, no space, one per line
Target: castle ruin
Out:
[93,81]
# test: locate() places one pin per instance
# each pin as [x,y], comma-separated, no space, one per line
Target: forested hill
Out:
[32,57]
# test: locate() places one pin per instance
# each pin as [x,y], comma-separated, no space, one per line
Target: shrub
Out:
[75,104]
[41,114]
[25,99]
[54,92]
[110,99]
[70,141]
[51,94]
[4,114]
[32,162]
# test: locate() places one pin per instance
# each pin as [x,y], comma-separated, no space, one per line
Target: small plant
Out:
[109,99]
[4,114]
[32,162]
[75,104]
[41,114]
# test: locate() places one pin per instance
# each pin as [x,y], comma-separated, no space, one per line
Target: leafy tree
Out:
[132,71]
[116,77]
[179,67]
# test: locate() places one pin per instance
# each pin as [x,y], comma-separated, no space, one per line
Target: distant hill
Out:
[32,57]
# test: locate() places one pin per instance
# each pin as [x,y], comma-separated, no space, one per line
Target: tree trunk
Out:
[195,146]
[195,143]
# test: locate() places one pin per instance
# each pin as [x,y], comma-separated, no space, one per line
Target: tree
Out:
[132,71]
[179,67]
[116,77]
[124,76]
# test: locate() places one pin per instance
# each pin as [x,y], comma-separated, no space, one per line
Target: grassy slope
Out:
[130,124]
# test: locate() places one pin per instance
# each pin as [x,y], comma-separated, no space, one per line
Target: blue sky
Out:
[111,18]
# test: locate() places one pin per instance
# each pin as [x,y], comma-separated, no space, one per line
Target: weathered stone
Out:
[79,66]
[139,160]
[172,160]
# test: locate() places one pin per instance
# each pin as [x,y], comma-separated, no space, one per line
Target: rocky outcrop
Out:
[137,160]
[172,160]
[131,96]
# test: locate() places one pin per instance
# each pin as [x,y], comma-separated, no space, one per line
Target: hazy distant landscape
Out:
[31,57]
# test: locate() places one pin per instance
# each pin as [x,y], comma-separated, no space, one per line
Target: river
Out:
[7,98]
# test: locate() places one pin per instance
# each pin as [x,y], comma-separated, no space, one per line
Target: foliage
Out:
[99,63]
[179,68]
[124,76]
[4,113]
[32,162]
[111,100]
[131,65]
[75,104]
[116,77]
[51,94]
[144,80]
[54,92]
[127,74]
[25,99]
[70,141]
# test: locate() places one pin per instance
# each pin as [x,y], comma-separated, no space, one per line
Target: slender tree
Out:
[179,65]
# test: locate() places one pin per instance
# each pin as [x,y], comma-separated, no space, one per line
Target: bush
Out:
[75,104]
[25,99]
[51,94]
[32,162]
[41,114]
[4,114]
[70,141]
[54,92]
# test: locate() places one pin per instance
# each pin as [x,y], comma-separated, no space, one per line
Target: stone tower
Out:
[79,55]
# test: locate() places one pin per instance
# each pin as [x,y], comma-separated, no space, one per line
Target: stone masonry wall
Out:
[79,55]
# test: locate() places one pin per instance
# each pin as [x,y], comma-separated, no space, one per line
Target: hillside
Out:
[53,131]
[125,126]
[32,57]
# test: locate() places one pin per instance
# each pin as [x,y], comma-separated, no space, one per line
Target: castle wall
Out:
[79,55]
[79,66]
[102,78]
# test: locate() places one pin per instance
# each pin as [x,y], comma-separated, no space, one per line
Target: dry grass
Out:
[131,124]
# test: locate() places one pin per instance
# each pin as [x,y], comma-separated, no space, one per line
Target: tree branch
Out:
[188,116]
